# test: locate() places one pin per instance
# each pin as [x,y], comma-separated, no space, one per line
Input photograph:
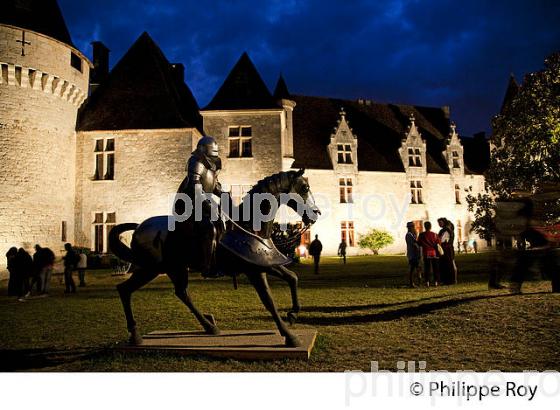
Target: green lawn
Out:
[362,312]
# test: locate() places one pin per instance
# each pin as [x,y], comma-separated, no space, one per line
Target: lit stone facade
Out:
[43,82]
[54,179]
[380,200]
[149,165]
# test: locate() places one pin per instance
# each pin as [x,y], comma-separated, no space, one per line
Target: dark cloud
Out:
[430,52]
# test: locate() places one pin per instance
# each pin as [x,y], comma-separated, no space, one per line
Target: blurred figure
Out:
[24,271]
[13,281]
[342,250]
[429,242]
[70,261]
[315,249]
[475,246]
[43,261]
[82,265]
[447,260]
[413,255]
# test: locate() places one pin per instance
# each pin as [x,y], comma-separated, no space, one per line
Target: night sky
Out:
[432,52]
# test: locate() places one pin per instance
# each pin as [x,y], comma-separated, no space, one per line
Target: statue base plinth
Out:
[231,344]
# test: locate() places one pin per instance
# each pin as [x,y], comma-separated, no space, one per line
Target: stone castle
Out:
[80,153]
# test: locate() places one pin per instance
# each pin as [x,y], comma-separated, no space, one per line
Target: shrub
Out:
[375,240]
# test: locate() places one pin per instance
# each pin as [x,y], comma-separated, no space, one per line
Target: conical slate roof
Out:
[141,92]
[243,89]
[511,92]
[281,90]
[42,16]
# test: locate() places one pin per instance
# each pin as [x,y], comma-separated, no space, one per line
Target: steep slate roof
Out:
[243,89]
[379,128]
[141,92]
[476,153]
[281,90]
[511,92]
[42,16]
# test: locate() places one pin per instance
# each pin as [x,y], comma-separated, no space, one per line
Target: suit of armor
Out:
[202,178]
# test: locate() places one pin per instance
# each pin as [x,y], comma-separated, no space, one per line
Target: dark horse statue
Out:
[155,249]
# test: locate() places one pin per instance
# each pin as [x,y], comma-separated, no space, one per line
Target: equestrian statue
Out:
[213,242]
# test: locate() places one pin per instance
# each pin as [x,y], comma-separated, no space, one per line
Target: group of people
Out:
[29,273]
[435,250]
[32,274]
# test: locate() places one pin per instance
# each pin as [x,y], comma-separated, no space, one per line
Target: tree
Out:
[484,209]
[525,155]
[375,240]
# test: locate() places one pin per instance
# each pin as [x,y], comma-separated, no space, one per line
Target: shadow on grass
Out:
[347,308]
[395,314]
[27,359]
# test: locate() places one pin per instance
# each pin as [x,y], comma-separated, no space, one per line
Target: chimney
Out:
[446,111]
[100,64]
[178,72]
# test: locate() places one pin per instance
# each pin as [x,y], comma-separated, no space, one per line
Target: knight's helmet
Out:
[208,146]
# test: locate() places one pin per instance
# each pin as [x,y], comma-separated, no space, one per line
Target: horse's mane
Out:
[273,184]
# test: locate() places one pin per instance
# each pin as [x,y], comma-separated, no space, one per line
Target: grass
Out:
[362,312]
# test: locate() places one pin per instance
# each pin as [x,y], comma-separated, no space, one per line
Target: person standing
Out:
[24,271]
[342,250]
[475,246]
[82,265]
[447,265]
[412,254]
[429,242]
[44,262]
[70,262]
[315,249]
[13,281]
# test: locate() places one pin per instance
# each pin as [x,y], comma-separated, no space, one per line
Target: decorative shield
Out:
[252,249]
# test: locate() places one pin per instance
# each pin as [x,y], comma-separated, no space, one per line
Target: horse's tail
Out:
[117,246]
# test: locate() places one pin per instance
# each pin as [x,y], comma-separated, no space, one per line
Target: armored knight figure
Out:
[202,178]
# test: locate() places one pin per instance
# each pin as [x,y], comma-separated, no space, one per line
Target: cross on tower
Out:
[23,43]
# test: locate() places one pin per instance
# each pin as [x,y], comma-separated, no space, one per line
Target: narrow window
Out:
[347,232]
[76,61]
[416,192]
[345,188]
[457,194]
[98,232]
[63,235]
[104,159]
[455,156]
[103,222]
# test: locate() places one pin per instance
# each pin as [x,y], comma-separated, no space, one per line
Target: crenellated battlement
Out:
[27,77]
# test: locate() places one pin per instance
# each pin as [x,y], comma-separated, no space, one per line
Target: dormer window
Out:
[344,152]
[414,157]
[455,159]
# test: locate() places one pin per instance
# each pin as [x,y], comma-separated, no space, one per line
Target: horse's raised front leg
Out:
[138,279]
[261,286]
[180,279]
[292,280]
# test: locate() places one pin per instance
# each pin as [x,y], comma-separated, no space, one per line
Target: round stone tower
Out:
[43,81]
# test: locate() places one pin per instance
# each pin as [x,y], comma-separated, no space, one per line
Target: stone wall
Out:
[266,144]
[40,93]
[149,166]
[381,201]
